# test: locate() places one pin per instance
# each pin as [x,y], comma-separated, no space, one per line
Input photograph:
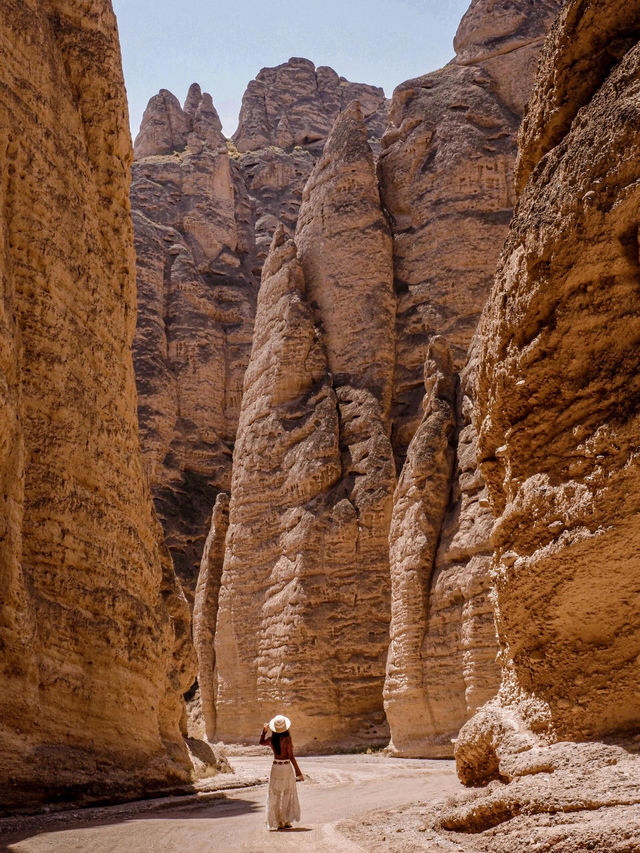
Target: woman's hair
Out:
[277,738]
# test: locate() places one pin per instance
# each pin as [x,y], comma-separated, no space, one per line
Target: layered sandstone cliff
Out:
[446,172]
[446,178]
[441,665]
[557,395]
[204,217]
[303,611]
[196,302]
[93,631]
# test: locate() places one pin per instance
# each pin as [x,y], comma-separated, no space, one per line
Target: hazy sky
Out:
[168,44]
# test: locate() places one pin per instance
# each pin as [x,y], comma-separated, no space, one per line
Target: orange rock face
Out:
[556,393]
[94,632]
[446,172]
[204,217]
[304,605]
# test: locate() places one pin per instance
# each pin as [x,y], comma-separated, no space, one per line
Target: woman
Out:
[282,800]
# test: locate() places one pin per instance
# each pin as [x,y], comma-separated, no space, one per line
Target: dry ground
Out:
[341,788]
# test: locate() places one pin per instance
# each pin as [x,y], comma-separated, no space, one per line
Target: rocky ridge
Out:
[94,628]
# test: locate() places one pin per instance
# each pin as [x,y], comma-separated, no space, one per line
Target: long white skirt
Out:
[282,800]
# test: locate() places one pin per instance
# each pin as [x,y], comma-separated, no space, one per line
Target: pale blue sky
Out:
[168,44]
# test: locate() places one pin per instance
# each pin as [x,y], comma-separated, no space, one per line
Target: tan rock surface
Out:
[204,218]
[556,392]
[296,104]
[94,631]
[441,665]
[419,506]
[196,295]
[205,610]
[446,176]
[303,614]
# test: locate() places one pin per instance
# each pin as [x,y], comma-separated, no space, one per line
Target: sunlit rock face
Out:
[94,631]
[304,605]
[205,212]
[446,177]
[557,408]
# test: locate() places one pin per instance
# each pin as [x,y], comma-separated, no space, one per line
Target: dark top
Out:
[282,747]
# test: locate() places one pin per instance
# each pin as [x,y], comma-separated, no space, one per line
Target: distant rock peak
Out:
[167,127]
[295,104]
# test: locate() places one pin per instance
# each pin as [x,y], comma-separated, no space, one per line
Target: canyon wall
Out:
[204,215]
[303,611]
[94,629]
[557,394]
[446,174]
[196,301]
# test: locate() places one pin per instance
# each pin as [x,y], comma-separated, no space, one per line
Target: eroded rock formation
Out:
[196,302]
[446,177]
[205,610]
[303,613]
[557,396]
[204,217]
[94,630]
[446,172]
[441,665]
[296,104]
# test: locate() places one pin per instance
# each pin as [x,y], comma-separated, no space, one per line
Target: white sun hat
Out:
[280,724]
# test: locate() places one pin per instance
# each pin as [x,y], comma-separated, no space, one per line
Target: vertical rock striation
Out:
[446,172]
[303,614]
[446,176]
[441,664]
[205,609]
[557,398]
[93,629]
[196,294]
[286,116]
[204,217]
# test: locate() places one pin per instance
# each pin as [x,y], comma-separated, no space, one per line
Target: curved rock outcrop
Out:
[94,630]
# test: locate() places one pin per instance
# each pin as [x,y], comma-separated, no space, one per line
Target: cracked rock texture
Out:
[557,396]
[195,249]
[204,217]
[446,177]
[446,174]
[94,630]
[304,605]
[441,665]
[205,610]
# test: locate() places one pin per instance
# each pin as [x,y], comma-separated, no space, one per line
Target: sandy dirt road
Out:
[336,788]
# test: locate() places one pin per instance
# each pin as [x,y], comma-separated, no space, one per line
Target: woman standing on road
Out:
[283,806]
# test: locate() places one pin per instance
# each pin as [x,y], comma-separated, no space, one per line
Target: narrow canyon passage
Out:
[337,788]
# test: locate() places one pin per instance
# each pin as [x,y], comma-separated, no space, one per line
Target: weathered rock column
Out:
[558,394]
[303,615]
